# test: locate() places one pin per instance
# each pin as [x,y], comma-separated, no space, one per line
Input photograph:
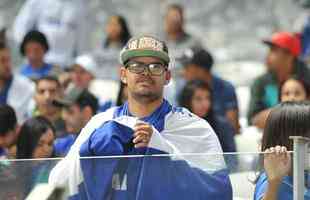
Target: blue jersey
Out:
[175,130]
[285,191]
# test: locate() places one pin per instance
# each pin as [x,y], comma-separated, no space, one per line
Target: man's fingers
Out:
[145,127]
[141,144]
[136,134]
[141,138]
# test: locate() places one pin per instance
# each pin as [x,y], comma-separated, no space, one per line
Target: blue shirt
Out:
[285,191]
[63,145]
[5,91]
[224,97]
[35,73]
[3,152]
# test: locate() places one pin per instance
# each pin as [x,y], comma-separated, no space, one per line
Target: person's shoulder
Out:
[20,81]
[262,80]
[223,121]
[25,69]
[223,82]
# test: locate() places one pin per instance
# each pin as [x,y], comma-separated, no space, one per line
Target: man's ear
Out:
[167,77]
[87,113]
[123,75]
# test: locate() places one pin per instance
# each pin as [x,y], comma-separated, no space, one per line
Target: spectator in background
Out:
[15,90]
[282,62]
[8,130]
[285,120]
[79,107]
[48,89]
[178,40]
[83,71]
[34,46]
[117,34]
[197,64]
[65,24]
[295,89]
[196,96]
[35,140]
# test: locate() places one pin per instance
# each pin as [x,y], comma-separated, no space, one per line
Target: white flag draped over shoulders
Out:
[157,175]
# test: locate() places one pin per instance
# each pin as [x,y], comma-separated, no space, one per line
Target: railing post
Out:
[299,161]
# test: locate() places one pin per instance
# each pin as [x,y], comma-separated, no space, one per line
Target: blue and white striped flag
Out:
[177,164]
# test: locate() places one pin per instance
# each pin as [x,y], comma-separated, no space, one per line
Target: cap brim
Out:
[128,54]
[62,103]
[268,42]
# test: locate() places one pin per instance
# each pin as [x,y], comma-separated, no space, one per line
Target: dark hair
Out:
[177,7]
[285,120]
[186,96]
[3,45]
[48,78]
[120,97]
[3,35]
[30,134]
[34,36]
[125,33]
[305,83]
[187,93]
[8,120]
[87,99]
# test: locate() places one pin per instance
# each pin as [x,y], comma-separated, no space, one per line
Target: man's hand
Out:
[142,134]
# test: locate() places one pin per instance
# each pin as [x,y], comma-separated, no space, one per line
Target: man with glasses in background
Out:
[146,124]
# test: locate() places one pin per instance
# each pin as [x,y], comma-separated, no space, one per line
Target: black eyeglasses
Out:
[156,69]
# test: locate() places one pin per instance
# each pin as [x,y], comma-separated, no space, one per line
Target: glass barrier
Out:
[183,176]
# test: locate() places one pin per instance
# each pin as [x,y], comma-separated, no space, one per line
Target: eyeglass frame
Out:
[147,66]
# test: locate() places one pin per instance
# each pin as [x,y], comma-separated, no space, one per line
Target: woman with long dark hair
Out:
[285,120]
[117,32]
[196,96]
[35,141]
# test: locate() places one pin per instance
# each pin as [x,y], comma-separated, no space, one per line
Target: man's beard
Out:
[146,97]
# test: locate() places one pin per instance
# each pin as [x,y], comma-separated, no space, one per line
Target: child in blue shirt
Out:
[285,120]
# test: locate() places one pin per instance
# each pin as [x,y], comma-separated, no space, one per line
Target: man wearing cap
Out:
[79,106]
[34,47]
[197,64]
[83,71]
[146,124]
[282,63]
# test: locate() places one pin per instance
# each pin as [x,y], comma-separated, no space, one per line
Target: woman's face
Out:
[44,148]
[201,102]
[293,90]
[113,28]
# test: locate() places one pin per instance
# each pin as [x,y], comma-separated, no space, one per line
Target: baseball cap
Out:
[285,40]
[87,62]
[144,46]
[79,96]
[197,56]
